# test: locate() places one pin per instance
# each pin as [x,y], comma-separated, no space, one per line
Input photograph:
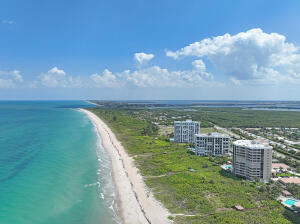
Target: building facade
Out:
[212,144]
[252,159]
[185,131]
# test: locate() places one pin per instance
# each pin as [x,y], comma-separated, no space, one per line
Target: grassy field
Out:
[207,194]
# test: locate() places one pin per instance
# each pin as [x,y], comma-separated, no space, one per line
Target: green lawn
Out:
[208,193]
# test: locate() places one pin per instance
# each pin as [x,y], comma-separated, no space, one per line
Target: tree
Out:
[150,129]
[294,189]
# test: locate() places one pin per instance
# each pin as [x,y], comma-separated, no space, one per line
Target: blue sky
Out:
[139,49]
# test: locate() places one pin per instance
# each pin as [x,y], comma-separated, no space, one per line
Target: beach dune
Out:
[137,204]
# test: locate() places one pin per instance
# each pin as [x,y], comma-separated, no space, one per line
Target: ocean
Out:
[53,168]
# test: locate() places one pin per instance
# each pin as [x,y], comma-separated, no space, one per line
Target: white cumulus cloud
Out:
[154,76]
[6,83]
[251,55]
[160,77]
[106,79]
[16,75]
[9,79]
[143,57]
[58,78]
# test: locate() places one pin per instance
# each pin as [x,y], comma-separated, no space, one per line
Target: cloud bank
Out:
[153,76]
[252,57]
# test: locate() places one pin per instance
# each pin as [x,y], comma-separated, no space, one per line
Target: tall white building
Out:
[184,131]
[252,159]
[212,144]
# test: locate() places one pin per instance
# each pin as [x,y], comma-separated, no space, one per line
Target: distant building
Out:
[212,144]
[184,131]
[252,159]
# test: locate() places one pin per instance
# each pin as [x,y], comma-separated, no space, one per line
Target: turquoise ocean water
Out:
[53,168]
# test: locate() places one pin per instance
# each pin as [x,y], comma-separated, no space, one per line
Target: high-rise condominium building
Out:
[212,144]
[184,131]
[252,159]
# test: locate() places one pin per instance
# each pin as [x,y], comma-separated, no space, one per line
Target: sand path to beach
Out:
[136,202]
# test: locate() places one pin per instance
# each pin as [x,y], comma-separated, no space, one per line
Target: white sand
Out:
[137,203]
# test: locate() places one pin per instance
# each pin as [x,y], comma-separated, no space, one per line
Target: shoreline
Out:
[137,204]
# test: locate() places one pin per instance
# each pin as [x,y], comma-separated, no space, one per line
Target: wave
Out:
[107,191]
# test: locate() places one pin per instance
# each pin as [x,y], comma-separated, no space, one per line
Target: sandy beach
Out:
[92,103]
[136,202]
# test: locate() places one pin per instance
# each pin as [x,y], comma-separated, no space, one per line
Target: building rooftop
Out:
[278,165]
[186,121]
[287,193]
[253,144]
[213,135]
[291,180]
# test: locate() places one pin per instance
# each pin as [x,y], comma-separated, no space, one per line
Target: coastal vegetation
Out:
[223,116]
[294,189]
[239,117]
[194,189]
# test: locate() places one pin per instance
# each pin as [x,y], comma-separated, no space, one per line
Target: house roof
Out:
[286,192]
[278,165]
[291,180]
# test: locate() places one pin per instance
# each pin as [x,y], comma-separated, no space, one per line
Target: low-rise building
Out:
[252,159]
[276,167]
[211,144]
[185,131]
[286,193]
[290,180]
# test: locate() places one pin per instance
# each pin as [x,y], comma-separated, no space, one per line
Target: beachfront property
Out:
[211,144]
[185,131]
[252,159]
